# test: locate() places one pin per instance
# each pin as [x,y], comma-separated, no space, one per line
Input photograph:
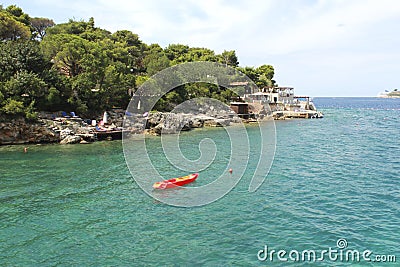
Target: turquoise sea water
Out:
[332,178]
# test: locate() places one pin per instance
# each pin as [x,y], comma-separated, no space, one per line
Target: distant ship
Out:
[390,94]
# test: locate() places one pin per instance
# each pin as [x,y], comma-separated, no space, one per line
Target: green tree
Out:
[71,27]
[262,76]
[229,58]
[265,75]
[177,53]
[11,28]
[140,80]
[83,29]
[266,70]
[39,26]
[66,51]
[250,72]
[155,60]
[128,48]
[78,66]
[264,82]
[25,87]
[18,14]
[16,56]
[200,54]
[13,107]
[127,37]
[101,69]
[53,98]
[23,75]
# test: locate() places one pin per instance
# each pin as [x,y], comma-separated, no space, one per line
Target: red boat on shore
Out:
[175,182]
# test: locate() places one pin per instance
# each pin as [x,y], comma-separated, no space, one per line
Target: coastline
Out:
[62,130]
[55,128]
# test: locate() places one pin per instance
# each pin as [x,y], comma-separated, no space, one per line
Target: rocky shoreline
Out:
[72,130]
[61,128]
[19,131]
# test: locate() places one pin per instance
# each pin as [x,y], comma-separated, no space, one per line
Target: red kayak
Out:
[176,181]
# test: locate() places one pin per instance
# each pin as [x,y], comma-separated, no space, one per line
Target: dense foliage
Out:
[76,66]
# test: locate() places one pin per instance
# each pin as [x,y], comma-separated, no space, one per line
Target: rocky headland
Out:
[70,130]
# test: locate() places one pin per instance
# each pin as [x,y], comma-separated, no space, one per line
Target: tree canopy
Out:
[76,66]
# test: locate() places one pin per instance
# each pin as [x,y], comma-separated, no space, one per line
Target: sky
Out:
[319,47]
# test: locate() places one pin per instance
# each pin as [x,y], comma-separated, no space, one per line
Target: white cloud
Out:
[276,27]
[328,38]
[307,27]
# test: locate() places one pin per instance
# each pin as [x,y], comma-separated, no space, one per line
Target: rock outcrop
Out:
[20,131]
[71,139]
[169,123]
[75,130]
